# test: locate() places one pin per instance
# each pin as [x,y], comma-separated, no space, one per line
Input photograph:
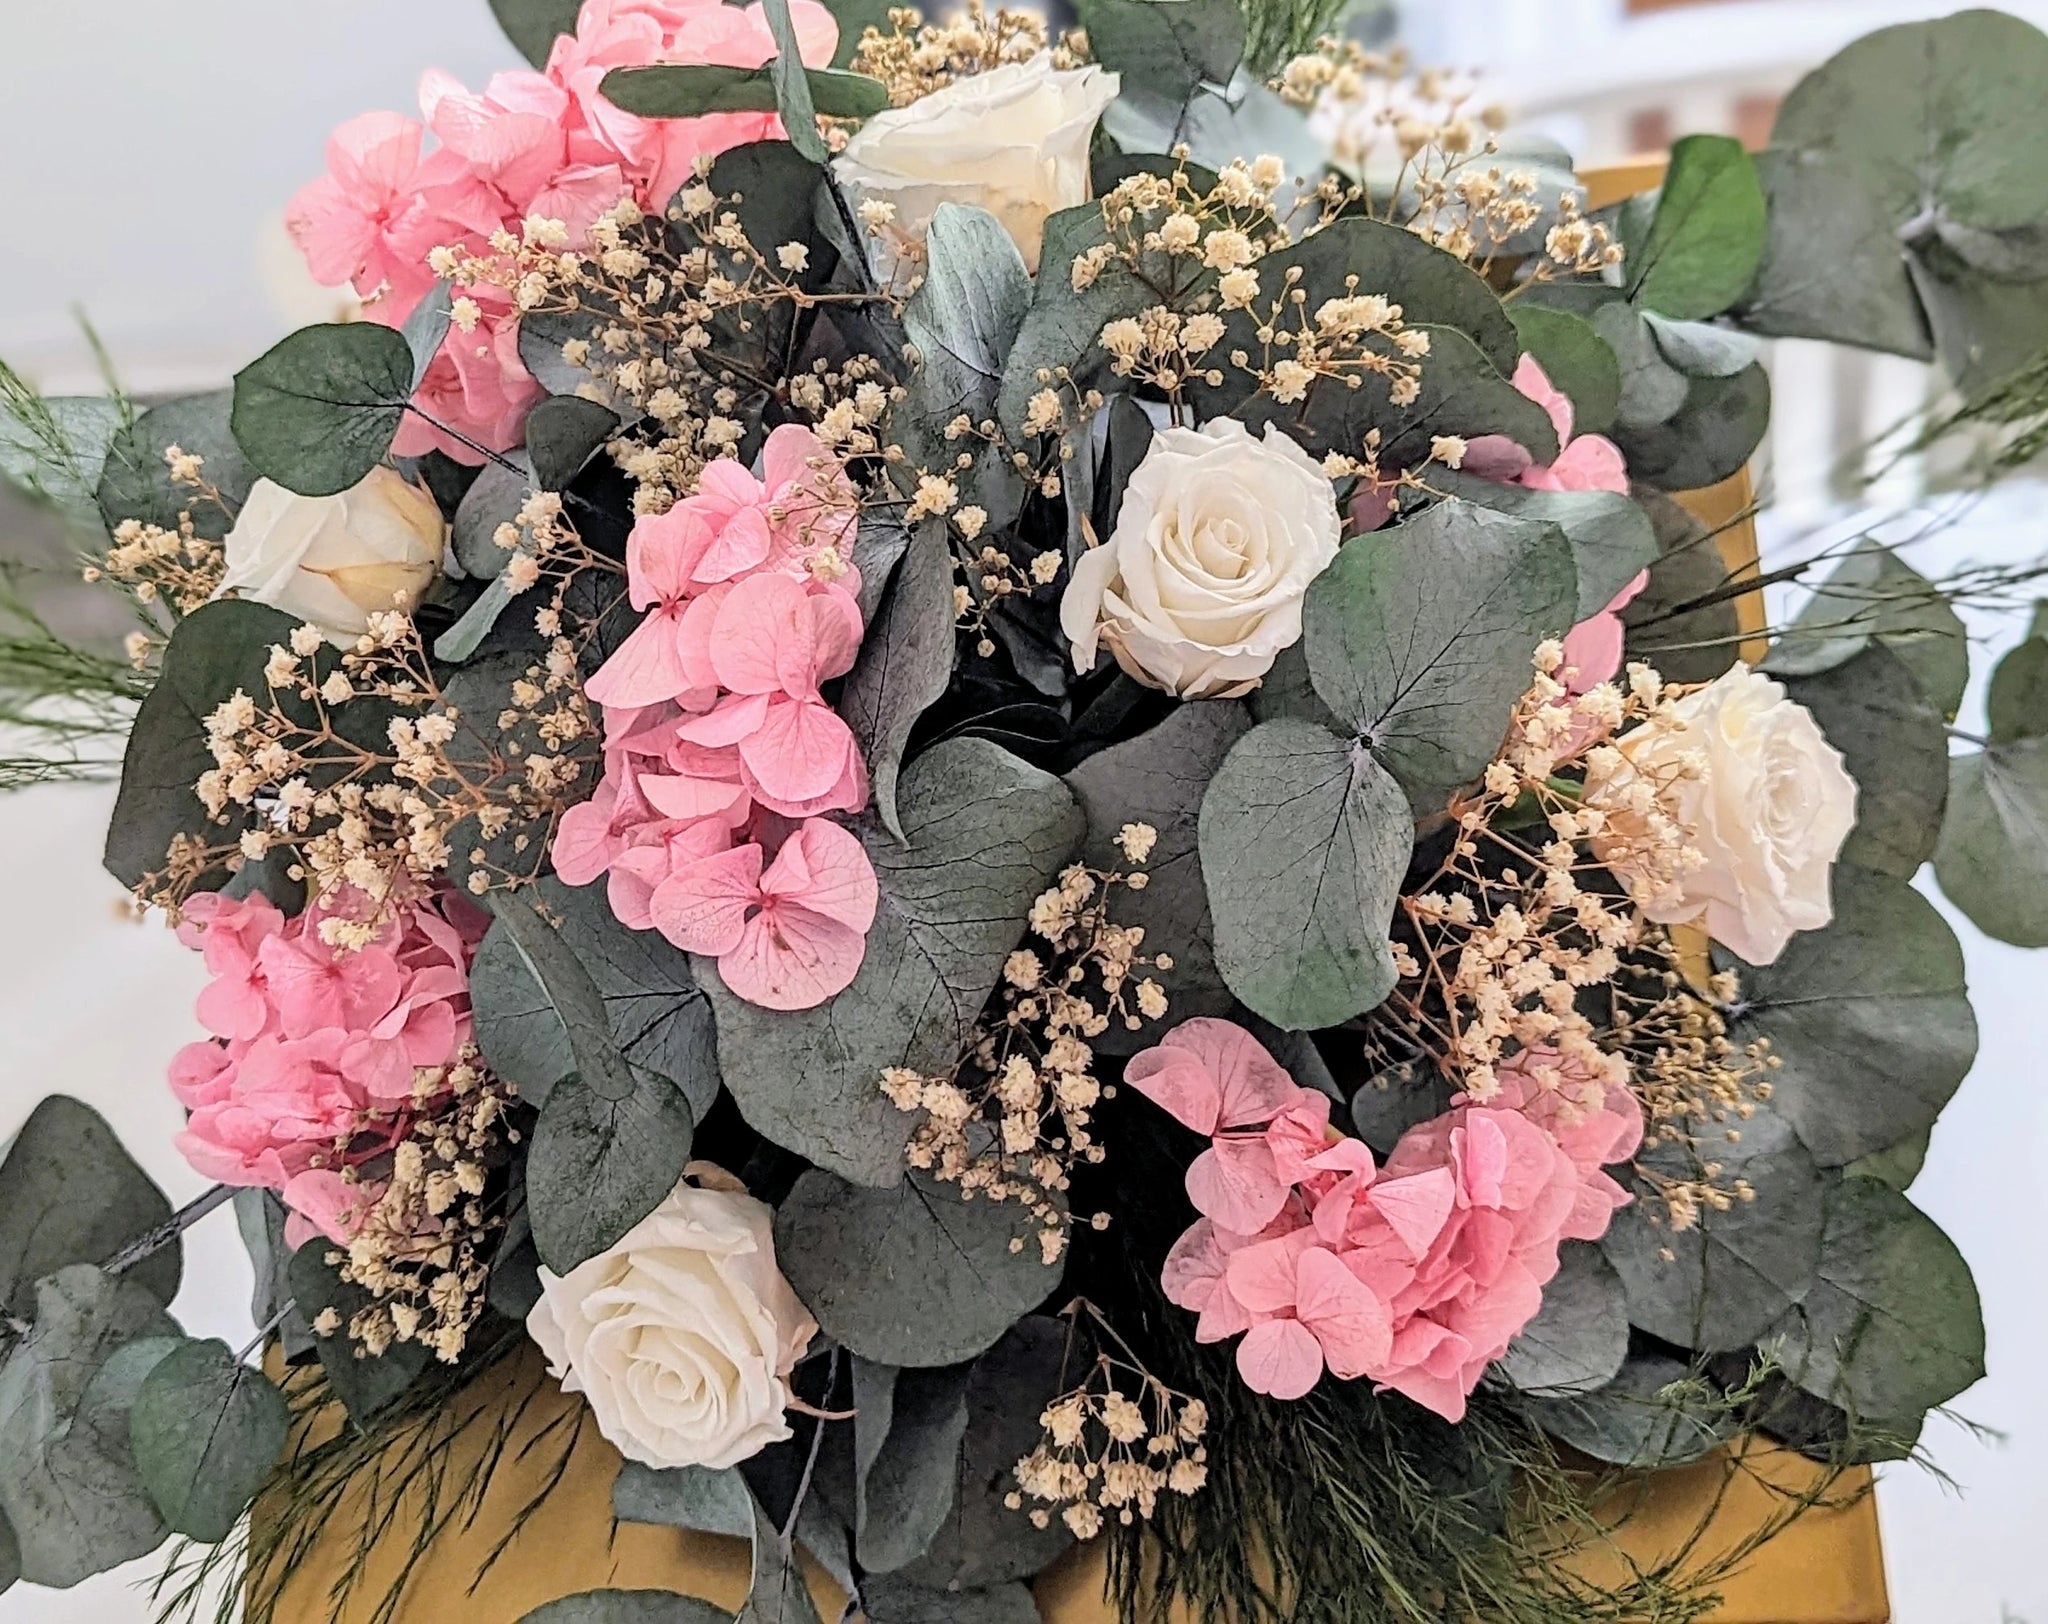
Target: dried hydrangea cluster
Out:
[1012,1118]
[1452,185]
[914,58]
[1106,1453]
[182,568]
[655,316]
[362,767]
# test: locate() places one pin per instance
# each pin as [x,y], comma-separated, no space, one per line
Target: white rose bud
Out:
[1013,141]
[1200,585]
[333,561]
[1757,789]
[683,1335]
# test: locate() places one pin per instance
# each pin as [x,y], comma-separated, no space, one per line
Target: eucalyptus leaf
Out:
[1868,1020]
[671,90]
[1702,349]
[1159,778]
[1655,1414]
[135,481]
[916,1275]
[2017,705]
[908,1430]
[534,25]
[982,1542]
[599,1165]
[1875,594]
[320,410]
[426,329]
[1579,1337]
[215,651]
[1992,860]
[1707,235]
[628,1607]
[1611,536]
[1897,1165]
[1166,47]
[71,1493]
[984,835]
[365,1385]
[55,449]
[563,433]
[553,965]
[492,501]
[1304,840]
[905,664]
[1686,621]
[10,1556]
[890,1600]
[71,1193]
[1392,1101]
[1576,359]
[793,84]
[656,1017]
[1895,747]
[1652,391]
[1421,636]
[207,1430]
[1892,1326]
[1710,438]
[702,1499]
[1734,1272]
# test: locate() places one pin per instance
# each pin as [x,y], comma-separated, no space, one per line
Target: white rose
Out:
[1756,790]
[333,561]
[1200,585]
[683,1335]
[1013,141]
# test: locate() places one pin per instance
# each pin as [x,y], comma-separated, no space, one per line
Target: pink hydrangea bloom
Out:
[318,1055]
[1416,1275]
[530,144]
[722,756]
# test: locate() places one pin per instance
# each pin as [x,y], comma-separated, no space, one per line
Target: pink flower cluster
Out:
[719,743]
[319,1056]
[531,144]
[1416,1275]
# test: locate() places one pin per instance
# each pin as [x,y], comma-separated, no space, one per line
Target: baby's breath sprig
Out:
[180,567]
[1105,1451]
[1009,1121]
[914,58]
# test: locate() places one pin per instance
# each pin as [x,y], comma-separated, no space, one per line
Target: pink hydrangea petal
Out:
[1416,1207]
[1193,1268]
[678,796]
[836,630]
[764,639]
[1281,1359]
[1354,1326]
[1235,1183]
[332,1205]
[790,958]
[736,718]
[702,906]
[1534,382]
[740,544]
[826,870]
[1255,1087]
[800,749]
[584,844]
[1262,1275]
[1178,1083]
[660,553]
[645,669]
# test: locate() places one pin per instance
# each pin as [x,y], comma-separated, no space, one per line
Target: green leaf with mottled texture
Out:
[599,1165]
[206,1429]
[905,664]
[1655,1414]
[535,25]
[1576,359]
[1579,1337]
[1875,594]
[675,90]
[628,1607]
[1706,235]
[1992,860]
[320,410]
[135,481]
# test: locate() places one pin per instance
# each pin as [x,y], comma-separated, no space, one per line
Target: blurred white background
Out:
[151,148]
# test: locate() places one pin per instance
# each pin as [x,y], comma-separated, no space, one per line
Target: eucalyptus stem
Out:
[149,1243]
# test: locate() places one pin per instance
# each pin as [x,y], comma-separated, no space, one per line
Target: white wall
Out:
[150,145]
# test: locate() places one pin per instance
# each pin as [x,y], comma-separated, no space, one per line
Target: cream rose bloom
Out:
[1200,585]
[333,561]
[683,1335]
[1013,141]
[1757,791]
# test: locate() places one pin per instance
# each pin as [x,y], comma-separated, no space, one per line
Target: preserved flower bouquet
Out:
[990,768]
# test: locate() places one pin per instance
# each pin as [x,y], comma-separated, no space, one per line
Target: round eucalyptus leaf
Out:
[1304,840]
[1869,1024]
[1992,859]
[320,410]
[1657,1413]
[1734,1271]
[597,1166]
[1711,437]
[1706,234]
[135,481]
[914,1275]
[890,1600]
[206,1430]
[628,1607]
[2017,705]
[1874,595]
[1579,1337]
[1892,1326]
[1576,359]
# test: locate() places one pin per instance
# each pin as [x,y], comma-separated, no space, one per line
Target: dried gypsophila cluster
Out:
[654,304]
[374,814]
[913,58]
[1013,1117]
[1697,1085]
[1379,113]
[181,567]
[425,1234]
[1106,1453]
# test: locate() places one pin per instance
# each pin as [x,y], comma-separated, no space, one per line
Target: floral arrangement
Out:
[988,771]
